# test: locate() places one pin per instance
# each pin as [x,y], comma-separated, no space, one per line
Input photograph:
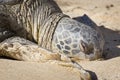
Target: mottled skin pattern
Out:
[35,20]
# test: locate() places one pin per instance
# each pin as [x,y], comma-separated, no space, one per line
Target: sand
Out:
[106,14]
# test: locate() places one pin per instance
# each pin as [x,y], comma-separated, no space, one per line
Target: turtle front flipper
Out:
[22,49]
[25,50]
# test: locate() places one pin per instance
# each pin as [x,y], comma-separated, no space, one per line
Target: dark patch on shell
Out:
[61,42]
[74,45]
[75,51]
[67,47]
[59,46]
[66,52]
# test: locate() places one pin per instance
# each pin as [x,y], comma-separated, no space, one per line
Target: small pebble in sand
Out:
[109,6]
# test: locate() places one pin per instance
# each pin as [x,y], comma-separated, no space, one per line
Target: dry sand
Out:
[106,14]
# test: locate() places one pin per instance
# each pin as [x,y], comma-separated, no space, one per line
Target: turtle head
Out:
[9,2]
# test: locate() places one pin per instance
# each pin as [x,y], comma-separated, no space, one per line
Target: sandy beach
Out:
[106,14]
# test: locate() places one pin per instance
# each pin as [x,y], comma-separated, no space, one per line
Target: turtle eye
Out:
[84,47]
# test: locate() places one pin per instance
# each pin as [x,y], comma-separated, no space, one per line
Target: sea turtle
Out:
[42,21]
